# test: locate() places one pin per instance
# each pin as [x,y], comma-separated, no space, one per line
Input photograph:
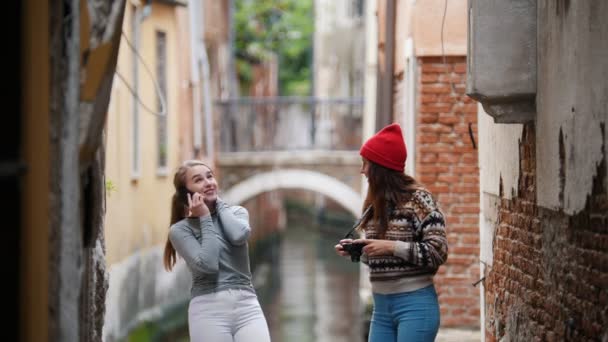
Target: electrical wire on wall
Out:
[163,105]
[445,9]
[443,57]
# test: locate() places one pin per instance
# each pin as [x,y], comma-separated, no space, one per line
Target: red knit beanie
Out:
[386,148]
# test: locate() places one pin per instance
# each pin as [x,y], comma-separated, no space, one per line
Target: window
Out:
[356,8]
[161,78]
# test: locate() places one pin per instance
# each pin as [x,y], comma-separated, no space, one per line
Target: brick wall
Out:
[549,277]
[446,163]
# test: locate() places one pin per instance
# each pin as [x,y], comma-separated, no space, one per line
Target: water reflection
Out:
[307,292]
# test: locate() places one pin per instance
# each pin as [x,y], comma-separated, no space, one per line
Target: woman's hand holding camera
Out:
[196,205]
[372,247]
[339,249]
[375,247]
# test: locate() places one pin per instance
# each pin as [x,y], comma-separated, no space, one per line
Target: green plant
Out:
[264,28]
[110,187]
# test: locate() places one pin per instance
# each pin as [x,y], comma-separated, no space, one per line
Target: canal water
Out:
[307,292]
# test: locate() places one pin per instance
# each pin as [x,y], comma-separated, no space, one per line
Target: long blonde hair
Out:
[179,207]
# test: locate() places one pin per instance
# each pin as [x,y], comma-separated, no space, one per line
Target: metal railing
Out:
[289,124]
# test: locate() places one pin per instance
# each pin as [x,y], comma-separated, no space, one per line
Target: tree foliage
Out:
[284,28]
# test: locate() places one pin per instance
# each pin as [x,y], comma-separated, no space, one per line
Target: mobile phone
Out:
[183,195]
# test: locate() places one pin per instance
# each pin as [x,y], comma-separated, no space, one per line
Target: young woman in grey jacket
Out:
[211,236]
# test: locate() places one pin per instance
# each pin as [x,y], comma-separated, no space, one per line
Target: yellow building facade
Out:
[142,142]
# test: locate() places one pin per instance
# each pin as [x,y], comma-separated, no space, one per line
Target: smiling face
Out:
[199,178]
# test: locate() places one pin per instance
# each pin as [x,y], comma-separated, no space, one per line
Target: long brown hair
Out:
[178,208]
[387,187]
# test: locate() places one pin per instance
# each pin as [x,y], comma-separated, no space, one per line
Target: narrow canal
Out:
[308,293]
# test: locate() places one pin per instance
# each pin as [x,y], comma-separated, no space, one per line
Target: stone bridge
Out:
[291,143]
[334,174]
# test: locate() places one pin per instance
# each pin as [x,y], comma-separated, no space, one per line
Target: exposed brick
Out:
[470,239]
[470,108]
[423,169]
[468,147]
[444,158]
[428,118]
[449,158]
[529,273]
[434,188]
[428,98]
[467,99]
[450,98]
[465,209]
[428,158]
[470,179]
[449,118]
[449,139]
[427,178]
[435,148]
[429,78]
[467,170]
[435,108]
[470,199]
[435,68]
[437,128]
[462,128]
[427,138]
[448,178]
[469,158]
[470,220]
[437,88]
[460,88]
[451,78]
[465,250]
[452,218]
[458,260]
[460,68]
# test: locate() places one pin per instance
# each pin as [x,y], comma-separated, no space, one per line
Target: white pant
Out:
[232,315]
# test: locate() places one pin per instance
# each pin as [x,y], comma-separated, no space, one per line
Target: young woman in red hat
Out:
[404,245]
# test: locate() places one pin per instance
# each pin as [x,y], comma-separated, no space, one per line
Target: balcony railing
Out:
[289,124]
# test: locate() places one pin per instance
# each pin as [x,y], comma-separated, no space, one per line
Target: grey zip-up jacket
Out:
[215,249]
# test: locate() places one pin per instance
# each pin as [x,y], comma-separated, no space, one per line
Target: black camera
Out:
[354,249]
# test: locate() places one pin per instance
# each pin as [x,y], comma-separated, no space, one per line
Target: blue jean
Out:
[407,316]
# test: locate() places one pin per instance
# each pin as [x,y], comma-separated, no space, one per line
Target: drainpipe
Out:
[200,73]
[194,8]
[384,107]
[410,107]
[207,102]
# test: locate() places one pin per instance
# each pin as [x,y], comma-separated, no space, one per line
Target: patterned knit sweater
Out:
[419,223]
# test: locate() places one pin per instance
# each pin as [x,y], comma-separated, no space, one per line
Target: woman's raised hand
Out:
[196,205]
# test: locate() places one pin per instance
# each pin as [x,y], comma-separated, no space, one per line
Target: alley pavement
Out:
[458,335]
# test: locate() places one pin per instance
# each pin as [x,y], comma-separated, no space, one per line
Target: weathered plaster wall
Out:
[572,100]
[426,27]
[544,219]
[498,167]
[141,290]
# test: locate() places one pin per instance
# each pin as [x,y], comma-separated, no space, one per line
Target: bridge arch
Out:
[296,179]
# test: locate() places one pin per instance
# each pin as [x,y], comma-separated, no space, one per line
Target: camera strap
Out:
[350,235]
